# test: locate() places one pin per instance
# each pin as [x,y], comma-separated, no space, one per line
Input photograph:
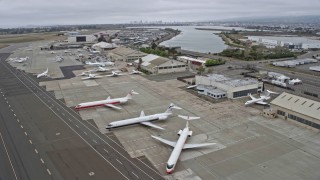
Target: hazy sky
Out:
[48,12]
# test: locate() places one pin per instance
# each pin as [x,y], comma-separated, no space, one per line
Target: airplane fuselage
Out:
[160,116]
[255,100]
[177,150]
[101,103]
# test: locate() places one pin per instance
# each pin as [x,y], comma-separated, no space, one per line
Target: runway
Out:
[69,147]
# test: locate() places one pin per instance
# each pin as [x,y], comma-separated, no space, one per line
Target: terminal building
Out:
[232,88]
[161,65]
[297,109]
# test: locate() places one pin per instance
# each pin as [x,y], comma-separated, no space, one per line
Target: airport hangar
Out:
[233,88]
[297,109]
[125,54]
[161,65]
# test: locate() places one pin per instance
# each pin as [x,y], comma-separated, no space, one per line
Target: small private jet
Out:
[145,120]
[102,69]
[109,102]
[44,74]
[260,100]
[181,144]
[114,74]
[135,72]
[99,64]
[91,76]
[20,60]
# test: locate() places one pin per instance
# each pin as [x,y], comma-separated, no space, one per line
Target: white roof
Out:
[298,104]
[315,68]
[192,59]
[104,45]
[147,59]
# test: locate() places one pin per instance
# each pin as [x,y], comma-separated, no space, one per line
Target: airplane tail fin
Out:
[172,106]
[129,96]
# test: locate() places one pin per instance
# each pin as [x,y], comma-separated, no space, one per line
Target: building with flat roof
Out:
[235,88]
[125,54]
[294,63]
[161,65]
[297,109]
[211,91]
[192,63]
[81,38]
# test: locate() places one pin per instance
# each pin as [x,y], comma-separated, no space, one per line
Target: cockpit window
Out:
[170,166]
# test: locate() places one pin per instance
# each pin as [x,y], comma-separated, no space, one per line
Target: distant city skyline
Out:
[16,13]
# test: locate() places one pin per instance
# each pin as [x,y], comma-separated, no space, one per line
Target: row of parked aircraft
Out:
[147,120]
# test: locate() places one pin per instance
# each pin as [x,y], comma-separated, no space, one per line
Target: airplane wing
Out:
[261,102]
[110,75]
[85,78]
[253,98]
[152,125]
[170,143]
[98,77]
[192,86]
[190,146]
[112,106]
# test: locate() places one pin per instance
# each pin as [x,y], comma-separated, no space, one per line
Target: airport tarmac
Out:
[249,146]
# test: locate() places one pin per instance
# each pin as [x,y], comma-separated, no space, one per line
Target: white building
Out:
[81,38]
[294,63]
[211,91]
[193,63]
[125,54]
[235,88]
[104,46]
[297,109]
[161,65]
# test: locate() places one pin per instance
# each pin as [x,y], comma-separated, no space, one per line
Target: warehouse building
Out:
[211,91]
[234,88]
[161,65]
[297,109]
[193,63]
[125,54]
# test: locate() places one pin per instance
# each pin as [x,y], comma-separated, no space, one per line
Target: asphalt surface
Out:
[44,139]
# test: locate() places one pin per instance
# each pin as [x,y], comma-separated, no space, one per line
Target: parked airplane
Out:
[261,99]
[102,69]
[91,76]
[85,73]
[192,86]
[98,64]
[59,58]
[143,119]
[44,74]
[20,60]
[135,72]
[108,102]
[181,144]
[114,74]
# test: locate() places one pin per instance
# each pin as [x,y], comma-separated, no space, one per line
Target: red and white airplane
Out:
[107,102]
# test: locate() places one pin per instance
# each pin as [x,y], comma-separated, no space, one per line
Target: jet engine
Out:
[162,117]
[190,133]
[180,131]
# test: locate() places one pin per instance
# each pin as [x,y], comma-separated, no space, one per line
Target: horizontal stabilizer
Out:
[152,125]
[170,143]
[112,106]
[188,117]
[190,146]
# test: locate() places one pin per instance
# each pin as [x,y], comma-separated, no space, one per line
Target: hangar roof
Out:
[298,104]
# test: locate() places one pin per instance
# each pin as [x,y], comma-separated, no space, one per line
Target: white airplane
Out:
[52,52]
[91,76]
[85,73]
[108,102]
[102,69]
[192,86]
[59,58]
[143,119]
[261,99]
[135,72]
[20,60]
[114,74]
[98,64]
[44,74]
[181,144]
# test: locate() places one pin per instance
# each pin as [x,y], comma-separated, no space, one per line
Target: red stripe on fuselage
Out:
[96,105]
